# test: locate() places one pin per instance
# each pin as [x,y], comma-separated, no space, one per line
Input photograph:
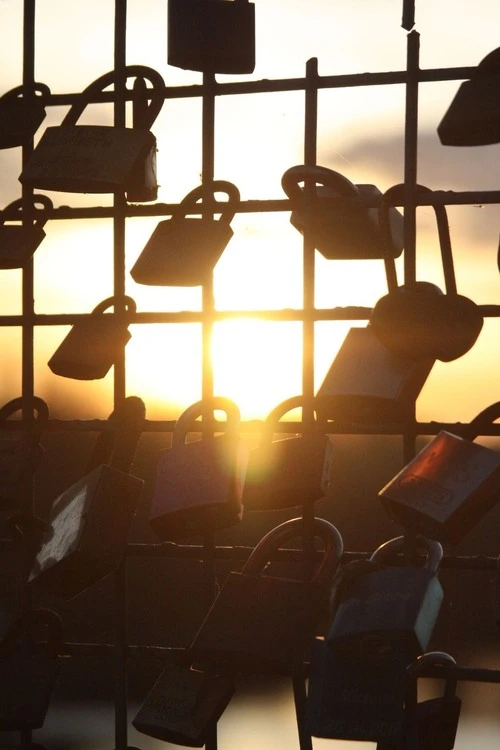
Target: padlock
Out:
[473,117]
[263,623]
[184,705]
[369,383]
[392,609]
[99,158]
[95,343]
[18,242]
[30,669]
[183,251]
[199,484]
[212,36]
[417,320]
[338,218]
[22,111]
[290,472]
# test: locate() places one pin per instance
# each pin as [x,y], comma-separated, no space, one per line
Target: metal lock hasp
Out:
[184,251]
[18,242]
[337,215]
[99,158]
[199,484]
[391,609]
[290,472]
[264,623]
[95,343]
[22,111]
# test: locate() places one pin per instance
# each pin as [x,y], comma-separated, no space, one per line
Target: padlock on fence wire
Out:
[264,623]
[473,117]
[19,241]
[290,472]
[212,36]
[99,158]
[338,217]
[184,705]
[22,111]
[95,343]
[199,484]
[392,609]
[30,669]
[369,383]
[183,251]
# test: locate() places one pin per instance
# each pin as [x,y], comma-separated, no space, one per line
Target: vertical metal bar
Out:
[410,156]
[121,646]
[300,703]
[408,18]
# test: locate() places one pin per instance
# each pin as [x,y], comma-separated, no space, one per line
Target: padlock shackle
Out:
[110,301]
[486,417]
[433,548]
[31,88]
[16,207]
[141,71]
[430,659]
[22,627]
[320,175]
[40,409]
[189,416]
[188,204]
[291,529]
[492,60]
[272,420]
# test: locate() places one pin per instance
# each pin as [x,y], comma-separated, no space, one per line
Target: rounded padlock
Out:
[22,111]
[18,242]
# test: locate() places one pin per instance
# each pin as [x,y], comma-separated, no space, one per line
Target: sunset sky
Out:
[258,137]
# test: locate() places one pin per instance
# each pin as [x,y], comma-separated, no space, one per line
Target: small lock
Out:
[337,215]
[22,111]
[94,344]
[18,242]
[183,251]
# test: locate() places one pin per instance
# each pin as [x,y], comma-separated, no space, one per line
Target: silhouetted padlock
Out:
[340,221]
[290,472]
[30,669]
[264,623]
[369,383]
[18,242]
[199,484]
[99,158]
[184,704]
[22,111]
[183,251]
[390,609]
[212,36]
[94,344]
[473,117]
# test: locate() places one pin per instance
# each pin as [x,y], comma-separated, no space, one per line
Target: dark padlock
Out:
[19,241]
[199,484]
[391,609]
[99,158]
[290,472]
[264,623]
[30,669]
[22,111]
[183,251]
[340,220]
[369,383]
[473,117]
[94,344]
[212,36]
[184,705]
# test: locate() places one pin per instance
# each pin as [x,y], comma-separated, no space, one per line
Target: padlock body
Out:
[446,489]
[211,36]
[473,117]
[19,456]
[437,724]
[20,118]
[182,252]
[17,244]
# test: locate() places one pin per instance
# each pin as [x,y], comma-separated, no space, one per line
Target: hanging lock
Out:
[183,251]
[18,242]
[22,111]
[99,158]
[338,217]
[263,623]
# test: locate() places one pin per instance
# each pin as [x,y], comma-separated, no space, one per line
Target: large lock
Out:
[290,472]
[338,217]
[183,251]
[369,383]
[390,609]
[199,484]
[94,344]
[99,158]
[18,242]
[30,669]
[264,623]
[473,117]
[184,705]
[212,36]
[22,111]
